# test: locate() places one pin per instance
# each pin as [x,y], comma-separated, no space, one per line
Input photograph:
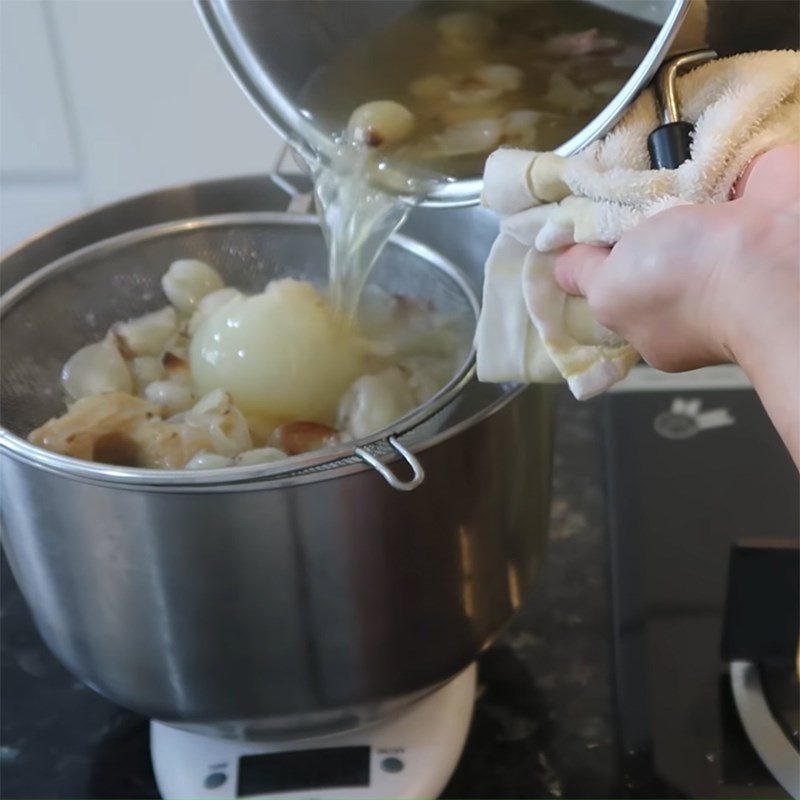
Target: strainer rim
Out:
[322,462]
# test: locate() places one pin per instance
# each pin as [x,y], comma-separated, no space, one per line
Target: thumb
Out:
[577,267]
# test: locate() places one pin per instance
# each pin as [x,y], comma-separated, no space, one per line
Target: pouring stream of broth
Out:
[431,95]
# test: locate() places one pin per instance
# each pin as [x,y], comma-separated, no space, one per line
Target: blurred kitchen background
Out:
[76,76]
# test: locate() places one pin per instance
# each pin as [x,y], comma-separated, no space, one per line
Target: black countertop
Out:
[544,722]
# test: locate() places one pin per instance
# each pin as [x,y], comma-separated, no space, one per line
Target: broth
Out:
[482,74]
[427,98]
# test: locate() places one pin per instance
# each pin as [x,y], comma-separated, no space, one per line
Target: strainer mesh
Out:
[74,301]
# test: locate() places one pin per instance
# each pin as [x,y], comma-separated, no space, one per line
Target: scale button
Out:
[215,780]
[392,764]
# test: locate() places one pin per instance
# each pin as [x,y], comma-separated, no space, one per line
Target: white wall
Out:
[100,99]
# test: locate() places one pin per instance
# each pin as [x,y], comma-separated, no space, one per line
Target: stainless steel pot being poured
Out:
[262,604]
[274,49]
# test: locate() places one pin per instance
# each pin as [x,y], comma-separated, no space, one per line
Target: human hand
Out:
[700,285]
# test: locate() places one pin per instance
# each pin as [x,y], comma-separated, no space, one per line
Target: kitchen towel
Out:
[529,330]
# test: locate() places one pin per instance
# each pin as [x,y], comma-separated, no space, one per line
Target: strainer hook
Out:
[387,474]
[299,202]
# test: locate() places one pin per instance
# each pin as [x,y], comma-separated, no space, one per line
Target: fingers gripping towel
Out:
[529,330]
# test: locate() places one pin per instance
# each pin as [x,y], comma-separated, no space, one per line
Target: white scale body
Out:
[411,755]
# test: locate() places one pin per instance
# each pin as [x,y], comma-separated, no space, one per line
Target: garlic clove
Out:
[147,335]
[261,455]
[430,87]
[294,438]
[225,424]
[520,127]
[503,77]
[455,114]
[171,397]
[188,281]
[145,370]
[381,122]
[214,402]
[374,402]
[475,136]
[96,369]
[205,460]
[230,433]
[563,94]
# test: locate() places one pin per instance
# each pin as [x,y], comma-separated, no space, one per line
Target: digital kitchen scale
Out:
[410,755]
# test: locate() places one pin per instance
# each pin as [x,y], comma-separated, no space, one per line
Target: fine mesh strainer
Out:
[48,316]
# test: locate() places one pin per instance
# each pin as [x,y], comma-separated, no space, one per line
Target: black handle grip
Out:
[669,145]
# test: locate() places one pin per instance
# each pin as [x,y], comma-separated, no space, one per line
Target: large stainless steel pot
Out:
[273,608]
[274,48]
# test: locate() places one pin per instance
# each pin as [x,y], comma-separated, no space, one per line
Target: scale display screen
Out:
[298,770]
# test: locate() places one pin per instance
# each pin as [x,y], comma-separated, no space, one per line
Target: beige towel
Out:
[529,330]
